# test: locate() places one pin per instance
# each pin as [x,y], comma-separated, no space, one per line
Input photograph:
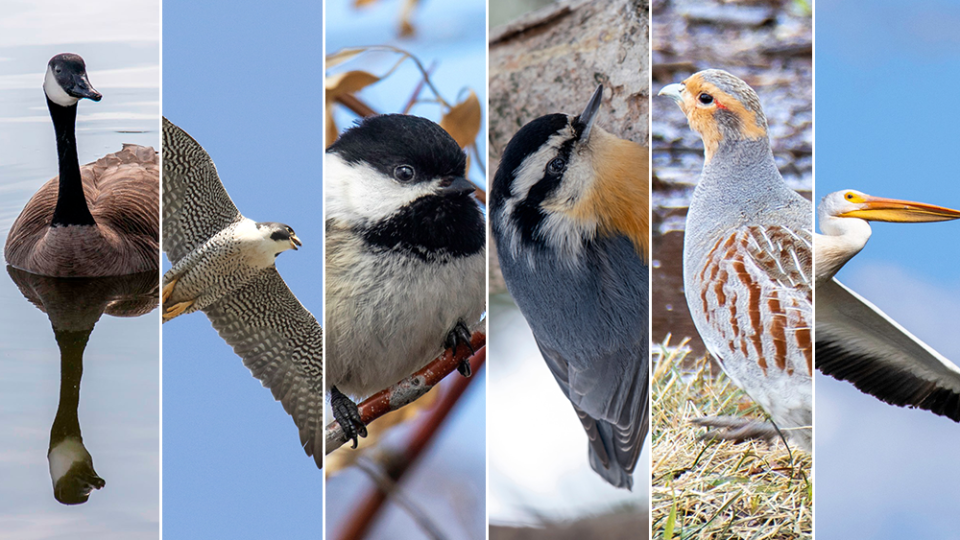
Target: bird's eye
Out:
[705,98]
[404,173]
[556,166]
[849,196]
[57,70]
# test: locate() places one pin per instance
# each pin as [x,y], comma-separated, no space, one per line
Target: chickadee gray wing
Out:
[196,206]
[281,343]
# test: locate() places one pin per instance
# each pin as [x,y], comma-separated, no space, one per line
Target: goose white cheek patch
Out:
[55,92]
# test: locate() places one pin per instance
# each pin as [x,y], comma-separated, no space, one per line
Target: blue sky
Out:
[885,125]
[244,79]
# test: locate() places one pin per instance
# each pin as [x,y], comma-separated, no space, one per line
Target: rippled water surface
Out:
[118,408]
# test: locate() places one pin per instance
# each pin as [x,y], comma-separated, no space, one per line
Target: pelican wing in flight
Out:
[859,343]
[855,340]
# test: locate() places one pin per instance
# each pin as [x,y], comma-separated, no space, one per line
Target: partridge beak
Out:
[897,211]
[294,242]
[673,91]
[584,122]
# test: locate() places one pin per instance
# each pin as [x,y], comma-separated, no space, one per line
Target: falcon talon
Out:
[168,290]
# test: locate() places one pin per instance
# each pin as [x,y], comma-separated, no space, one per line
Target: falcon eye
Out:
[705,98]
[404,173]
[556,166]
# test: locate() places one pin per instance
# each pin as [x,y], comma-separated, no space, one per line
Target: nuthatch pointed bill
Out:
[405,256]
[569,213]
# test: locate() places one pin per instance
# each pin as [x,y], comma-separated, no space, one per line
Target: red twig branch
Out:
[408,390]
[366,512]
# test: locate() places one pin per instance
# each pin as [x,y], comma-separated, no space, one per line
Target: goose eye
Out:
[404,173]
[556,166]
[705,98]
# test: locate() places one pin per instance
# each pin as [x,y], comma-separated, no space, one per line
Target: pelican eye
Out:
[556,166]
[705,98]
[404,173]
[849,196]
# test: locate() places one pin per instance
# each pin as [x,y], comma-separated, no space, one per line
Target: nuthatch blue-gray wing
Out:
[569,209]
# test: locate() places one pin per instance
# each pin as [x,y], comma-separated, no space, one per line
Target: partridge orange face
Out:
[720,107]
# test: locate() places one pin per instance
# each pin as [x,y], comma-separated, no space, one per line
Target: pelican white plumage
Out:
[855,340]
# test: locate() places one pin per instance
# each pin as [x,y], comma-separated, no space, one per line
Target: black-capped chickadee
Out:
[405,256]
[569,213]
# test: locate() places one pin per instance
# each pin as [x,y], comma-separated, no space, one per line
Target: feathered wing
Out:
[859,343]
[753,307]
[123,193]
[282,345]
[613,410]
[195,204]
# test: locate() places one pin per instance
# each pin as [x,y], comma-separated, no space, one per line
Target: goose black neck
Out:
[71,205]
[67,423]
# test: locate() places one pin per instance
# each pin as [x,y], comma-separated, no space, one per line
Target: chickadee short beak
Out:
[83,89]
[456,185]
[673,91]
[294,242]
[589,114]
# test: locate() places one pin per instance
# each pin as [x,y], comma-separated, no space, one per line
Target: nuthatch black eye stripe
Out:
[526,142]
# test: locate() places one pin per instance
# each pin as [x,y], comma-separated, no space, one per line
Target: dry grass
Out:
[721,490]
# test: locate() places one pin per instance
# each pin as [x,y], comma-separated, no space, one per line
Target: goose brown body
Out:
[122,192]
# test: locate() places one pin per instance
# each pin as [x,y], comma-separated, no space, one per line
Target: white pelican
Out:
[855,340]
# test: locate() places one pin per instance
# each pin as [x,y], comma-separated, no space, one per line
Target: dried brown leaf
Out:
[406,14]
[462,121]
[342,56]
[330,132]
[348,82]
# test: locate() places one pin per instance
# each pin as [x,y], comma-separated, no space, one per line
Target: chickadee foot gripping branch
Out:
[406,263]
[461,334]
[347,414]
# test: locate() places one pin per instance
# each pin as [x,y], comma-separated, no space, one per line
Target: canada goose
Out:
[102,219]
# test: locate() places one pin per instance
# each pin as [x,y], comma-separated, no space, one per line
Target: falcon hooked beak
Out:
[294,242]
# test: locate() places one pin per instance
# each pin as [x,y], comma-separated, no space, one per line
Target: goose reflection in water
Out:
[74,305]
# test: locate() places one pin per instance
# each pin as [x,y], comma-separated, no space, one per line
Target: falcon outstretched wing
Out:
[195,204]
[282,345]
